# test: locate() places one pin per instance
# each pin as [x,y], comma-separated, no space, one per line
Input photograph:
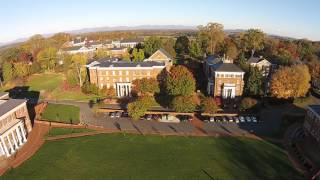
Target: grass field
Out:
[44,82]
[117,156]
[61,113]
[64,131]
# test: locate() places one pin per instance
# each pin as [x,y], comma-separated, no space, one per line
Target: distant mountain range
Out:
[125,28]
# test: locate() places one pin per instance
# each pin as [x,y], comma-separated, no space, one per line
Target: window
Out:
[120,73]
[127,73]
[108,85]
[101,78]
[148,73]
[113,73]
[127,79]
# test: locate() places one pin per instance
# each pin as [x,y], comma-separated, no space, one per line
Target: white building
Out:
[15,124]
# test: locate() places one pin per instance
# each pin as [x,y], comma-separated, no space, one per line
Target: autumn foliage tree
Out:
[139,107]
[180,81]
[209,105]
[290,82]
[145,86]
[184,104]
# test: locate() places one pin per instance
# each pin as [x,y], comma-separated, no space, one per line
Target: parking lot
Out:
[126,124]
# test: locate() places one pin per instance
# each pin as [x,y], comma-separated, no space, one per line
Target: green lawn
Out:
[46,82]
[63,131]
[72,95]
[117,156]
[61,113]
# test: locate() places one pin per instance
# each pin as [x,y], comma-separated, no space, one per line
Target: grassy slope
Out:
[61,113]
[47,82]
[117,156]
[63,131]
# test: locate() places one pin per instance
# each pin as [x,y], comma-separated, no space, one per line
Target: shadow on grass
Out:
[32,97]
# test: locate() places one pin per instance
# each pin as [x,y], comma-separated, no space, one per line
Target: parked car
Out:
[149,117]
[112,114]
[224,119]
[125,114]
[229,118]
[242,119]
[236,119]
[212,119]
[206,121]
[254,119]
[248,119]
[117,114]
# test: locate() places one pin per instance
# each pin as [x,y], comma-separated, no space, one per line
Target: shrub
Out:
[248,103]
[209,105]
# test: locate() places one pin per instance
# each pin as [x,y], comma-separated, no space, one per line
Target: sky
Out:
[293,18]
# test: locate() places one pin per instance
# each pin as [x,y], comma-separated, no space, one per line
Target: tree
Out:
[183,104]
[290,82]
[195,49]
[253,40]
[182,45]
[180,81]
[209,105]
[228,48]
[138,55]
[108,92]
[248,103]
[21,69]
[254,82]
[151,45]
[35,68]
[168,45]
[48,58]
[146,86]
[211,34]
[79,60]
[305,48]
[100,53]
[139,107]
[7,71]
[314,68]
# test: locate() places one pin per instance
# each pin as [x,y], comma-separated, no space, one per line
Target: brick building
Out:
[312,121]
[112,73]
[15,124]
[225,79]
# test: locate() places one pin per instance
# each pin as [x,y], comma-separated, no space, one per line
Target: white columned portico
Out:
[4,146]
[18,136]
[14,140]
[123,89]
[229,91]
[10,144]
[23,133]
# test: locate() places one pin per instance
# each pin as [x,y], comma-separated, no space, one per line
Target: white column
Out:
[4,147]
[14,140]
[1,149]
[129,90]
[23,133]
[19,136]
[118,90]
[11,147]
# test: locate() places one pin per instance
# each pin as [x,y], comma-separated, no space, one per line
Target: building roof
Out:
[73,48]
[315,108]
[255,59]
[162,51]
[226,67]
[8,105]
[118,49]
[131,40]
[218,65]
[109,63]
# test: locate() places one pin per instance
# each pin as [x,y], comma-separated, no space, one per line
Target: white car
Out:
[212,119]
[112,114]
[236,119]
[242,119]
[248,119]
[254,119]
[118,114]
